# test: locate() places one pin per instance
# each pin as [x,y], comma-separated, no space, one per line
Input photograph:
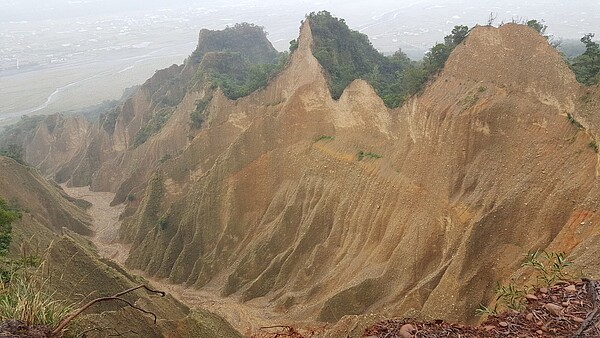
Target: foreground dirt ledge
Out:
[568,309]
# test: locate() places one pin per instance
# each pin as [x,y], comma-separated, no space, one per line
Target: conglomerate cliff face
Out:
[320,208]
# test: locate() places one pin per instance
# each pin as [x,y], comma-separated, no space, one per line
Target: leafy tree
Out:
[587,66]
[13,151]
[538,26]
[293,45]
[458,34]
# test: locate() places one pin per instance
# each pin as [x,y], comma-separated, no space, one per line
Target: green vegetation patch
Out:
[238,78]
[587,65]
[594,146]
[549,268]
[362,155]
[197,116]
[238,59]
[154,125]
[13,151]
[574,122]
[347,55]
[7,216]
[325,138]
[108,120]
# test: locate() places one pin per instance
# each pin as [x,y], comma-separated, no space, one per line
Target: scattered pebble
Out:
[578,319]
[553,309]
[531,297]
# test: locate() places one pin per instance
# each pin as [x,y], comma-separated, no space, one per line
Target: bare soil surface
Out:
[245,318]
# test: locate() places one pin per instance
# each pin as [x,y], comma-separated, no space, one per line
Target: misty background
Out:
[63,55]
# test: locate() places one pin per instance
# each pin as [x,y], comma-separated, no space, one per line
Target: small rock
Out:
[407,330]
[544,290]
[539,323]
[553,309]
[571,288]
[565,304]
[578,320]
[529,316]
[531,297]
[539,332]
[503,324]
[489,327]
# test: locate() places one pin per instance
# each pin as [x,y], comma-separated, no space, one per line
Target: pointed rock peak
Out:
[511,55]
[305,40]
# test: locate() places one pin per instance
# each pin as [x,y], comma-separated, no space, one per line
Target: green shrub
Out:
[13,151]
[293,45]
[574,122]
[163,222]
[153,126]
[325,138]
[362,155]
[549,268]
[197,115]
[594,146]
[108,121]
[165,158]
[7,216]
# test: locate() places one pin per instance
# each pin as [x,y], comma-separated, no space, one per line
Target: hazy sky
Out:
[411,22]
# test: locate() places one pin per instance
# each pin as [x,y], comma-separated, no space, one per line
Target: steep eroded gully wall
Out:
[272,203]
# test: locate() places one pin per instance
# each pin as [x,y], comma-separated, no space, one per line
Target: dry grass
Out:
[25,297]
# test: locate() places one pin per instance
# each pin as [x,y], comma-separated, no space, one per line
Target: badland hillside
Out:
[306,186]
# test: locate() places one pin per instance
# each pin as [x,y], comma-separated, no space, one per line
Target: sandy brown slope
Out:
[271,204]
[481,167]
[52,228]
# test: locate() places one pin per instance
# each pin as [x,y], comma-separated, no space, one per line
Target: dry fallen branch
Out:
[593,317]
[117,297]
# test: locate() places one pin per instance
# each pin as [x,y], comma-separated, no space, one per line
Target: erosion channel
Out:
[245,317]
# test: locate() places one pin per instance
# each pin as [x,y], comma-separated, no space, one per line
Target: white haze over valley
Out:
[63,55]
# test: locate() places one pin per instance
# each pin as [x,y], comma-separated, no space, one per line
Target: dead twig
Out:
[117,297]
[592,318]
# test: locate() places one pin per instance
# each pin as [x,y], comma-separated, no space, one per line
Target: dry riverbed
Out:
[245,317]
